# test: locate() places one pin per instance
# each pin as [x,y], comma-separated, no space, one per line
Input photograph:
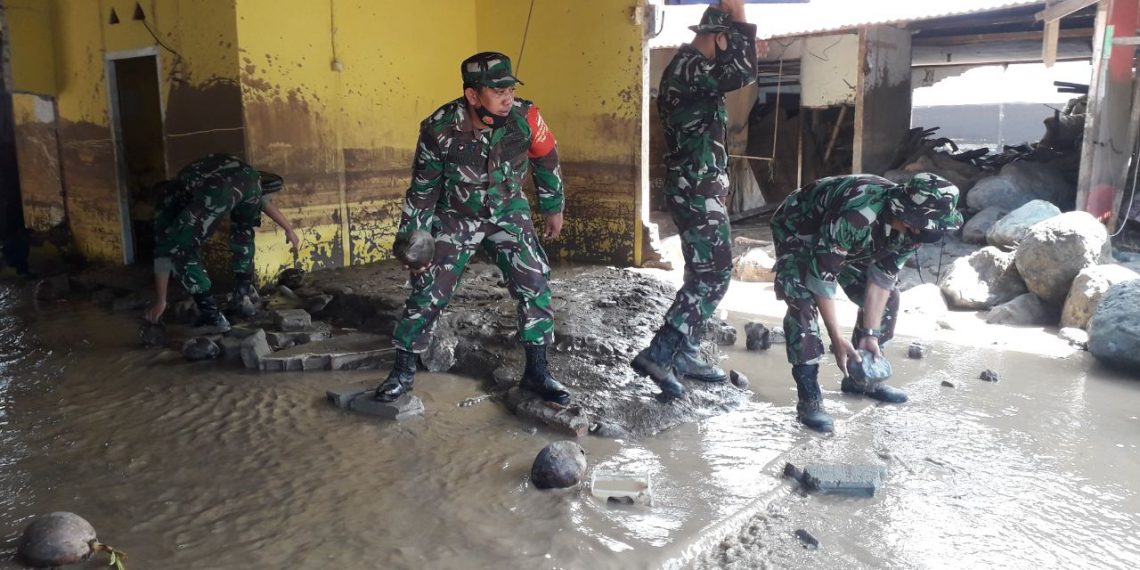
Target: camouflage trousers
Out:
[520,258]
[706,243]
[801,322]
[184,221]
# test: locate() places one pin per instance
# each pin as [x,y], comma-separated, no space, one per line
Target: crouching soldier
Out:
[189,210]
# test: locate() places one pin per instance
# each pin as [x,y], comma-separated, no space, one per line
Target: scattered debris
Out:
[757,336]
[809,542]
[843,479]
[949,384]
[738,379]
[916,350]
[415,249]
[559,465]
[989,375]
[622,488]
[200,348]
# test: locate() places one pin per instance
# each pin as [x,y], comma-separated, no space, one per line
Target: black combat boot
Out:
[810,410]
[874,390]
[537,378]
[687,363]
[656,362]
[245,297]
[400,379]
[210,319]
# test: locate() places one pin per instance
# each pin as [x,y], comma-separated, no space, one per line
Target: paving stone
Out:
[844,478]
[406,407]
[290,320]
[253,348]
[317,303]
[571,420]
[280,340]
[348,352]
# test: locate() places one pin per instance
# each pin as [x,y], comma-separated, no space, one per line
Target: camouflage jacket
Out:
[479,173]
[224,183]
[836,223]
[690,102]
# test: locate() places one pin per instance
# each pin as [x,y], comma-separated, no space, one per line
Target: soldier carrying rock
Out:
[854,232]
[189,210]
[467,191]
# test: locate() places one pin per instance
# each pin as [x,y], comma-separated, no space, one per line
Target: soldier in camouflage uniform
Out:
[691,104]
[189,210]
[854,232]
[467,190]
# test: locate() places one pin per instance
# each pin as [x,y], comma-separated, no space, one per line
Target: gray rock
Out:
[253,348]
[440,355]
[754,266]
[231,348]
[869,369]
[184,311]
[916,350]
[1009,231]
[504,378]
[949,384]
[1076,337]
[989,376]
[757,337]
[1024,310]
[739,380]
[1055,251]
[844,479]
[404,408]
[56,539]
[720,332]
[975,230]
[1114,330]
[291,278]
[776,335]
[1018,184]
[292,319]
[200,348]
[559,465]
[810,542]
[414,249]
[984,279]
[997,192]
[1087,290]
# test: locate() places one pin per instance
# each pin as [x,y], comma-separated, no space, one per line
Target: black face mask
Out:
[490,119]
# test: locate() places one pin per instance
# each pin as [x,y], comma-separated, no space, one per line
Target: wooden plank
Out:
[1002,37]
[1049,45]
[1063,8]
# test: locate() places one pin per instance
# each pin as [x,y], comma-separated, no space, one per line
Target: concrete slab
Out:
[844,478]
[291,320]
[358,399]
[352,351]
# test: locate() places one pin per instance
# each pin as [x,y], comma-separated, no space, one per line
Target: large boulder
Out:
[1087,290]
[986,278]
[1018,184]
[1114,330]
[1054,251]
[1025,310]
[979,225]
[1009,231]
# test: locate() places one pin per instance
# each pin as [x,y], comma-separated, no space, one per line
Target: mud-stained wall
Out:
[334,91]
[30,34]
[582,65]
[37,155]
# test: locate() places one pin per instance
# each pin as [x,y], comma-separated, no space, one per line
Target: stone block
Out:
[571,420]
[844,478]
[290,320]
[231,348]
[406,407]
[253,349]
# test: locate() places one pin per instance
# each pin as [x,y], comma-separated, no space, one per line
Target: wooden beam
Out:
[1002,37]
[1059,10]
[1049,45]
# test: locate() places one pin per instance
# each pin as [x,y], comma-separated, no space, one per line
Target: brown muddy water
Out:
[203,466]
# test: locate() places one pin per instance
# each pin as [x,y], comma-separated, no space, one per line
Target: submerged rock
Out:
[916,350]
[757,336]
[152,334]
[720,332]
[200,348]
[57,539]
[989,375]
[739,380]
[559,465]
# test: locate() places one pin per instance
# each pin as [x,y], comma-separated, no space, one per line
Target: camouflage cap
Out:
[714,20]
[488,69]
[927,202]
[270,182]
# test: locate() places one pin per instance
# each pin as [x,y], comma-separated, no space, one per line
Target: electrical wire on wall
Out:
[526,32]
[176,69]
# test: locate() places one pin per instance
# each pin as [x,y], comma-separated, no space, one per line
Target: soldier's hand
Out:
[844,351]
[154,313]
[553,226]
[871,344]
[294,241]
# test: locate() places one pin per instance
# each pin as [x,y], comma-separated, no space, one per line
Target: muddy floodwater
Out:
[204,466]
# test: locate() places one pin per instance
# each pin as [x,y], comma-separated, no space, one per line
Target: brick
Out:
[292,319]
[406,407]
[844,479]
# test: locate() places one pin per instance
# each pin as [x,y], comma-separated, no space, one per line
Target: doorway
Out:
[136,105]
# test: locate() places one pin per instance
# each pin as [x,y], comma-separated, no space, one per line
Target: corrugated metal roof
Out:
[822,16]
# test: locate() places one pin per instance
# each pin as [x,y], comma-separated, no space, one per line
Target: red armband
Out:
[541,139]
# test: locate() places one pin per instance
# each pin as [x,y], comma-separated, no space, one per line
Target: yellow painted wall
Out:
[31,43]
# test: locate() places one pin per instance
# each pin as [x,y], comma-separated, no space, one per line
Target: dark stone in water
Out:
[989,375]
[757,337]
[720,332]
[870,369]
[415,249]
[152,334]
[57,539]
[793,472]
[739,380]
[915,350]
[810,542]
[200,348]
[559,465]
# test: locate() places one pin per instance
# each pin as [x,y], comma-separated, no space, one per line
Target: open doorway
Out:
[136,106]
